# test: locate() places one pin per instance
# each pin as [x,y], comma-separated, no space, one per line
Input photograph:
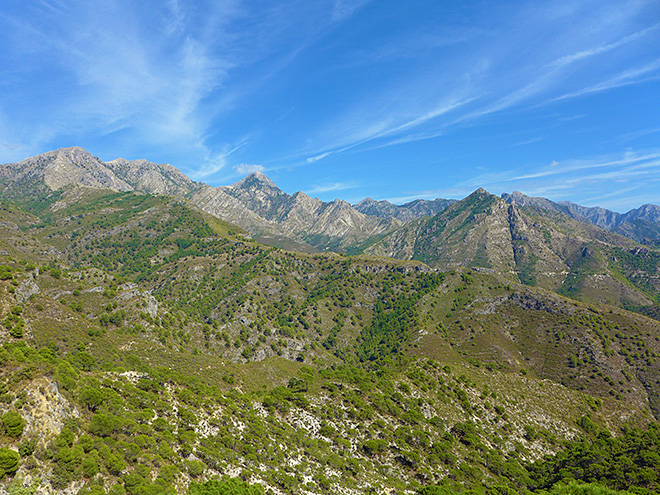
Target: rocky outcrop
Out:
[641,224]
[59,169]
[403,213]
[154,178]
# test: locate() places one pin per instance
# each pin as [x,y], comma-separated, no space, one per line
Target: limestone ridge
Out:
[57,170]
[334,225]
[404,213]
[154,178]
[641,224]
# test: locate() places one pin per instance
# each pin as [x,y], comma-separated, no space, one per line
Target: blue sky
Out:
[338,98]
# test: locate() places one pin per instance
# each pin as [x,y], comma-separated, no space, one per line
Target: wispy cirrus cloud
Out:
[413,95]
[587,180]
[343,9]
[637,75]
[154,75]
[331,186]
[488,83]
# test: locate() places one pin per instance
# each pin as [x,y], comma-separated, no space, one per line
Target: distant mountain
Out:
[533,244]
[641,224]
[154,178]
[274,217]
[405,212]
[254,203]
[335,225]
[56,170]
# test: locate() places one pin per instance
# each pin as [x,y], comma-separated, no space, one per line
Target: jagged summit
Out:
[154,178]
[404,213]
[481,192]
[58,169]
[370,201]
[254,179]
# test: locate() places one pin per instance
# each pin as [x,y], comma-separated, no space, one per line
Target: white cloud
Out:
[626,78]
[498,69]
[344,9]
[245,169]
[598,50]
[332,186]
[587,181]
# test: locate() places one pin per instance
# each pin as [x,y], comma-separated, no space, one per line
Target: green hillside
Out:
[150,348]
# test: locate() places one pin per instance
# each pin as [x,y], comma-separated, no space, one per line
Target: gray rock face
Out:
[58,169]
[335,225]
[154,178]
[26,289]
[404,213]
[641,224]
[216,201]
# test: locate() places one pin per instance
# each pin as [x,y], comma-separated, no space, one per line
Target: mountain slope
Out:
[532,244]
[405,212]
[146,345]
[56,170]
[254,203]
[641,224]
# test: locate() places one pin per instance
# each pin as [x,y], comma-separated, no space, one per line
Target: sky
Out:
[347,98]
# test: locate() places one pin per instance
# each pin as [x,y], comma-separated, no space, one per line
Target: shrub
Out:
[26,448]
[231,486]
[92,397]
[8,462]
[13,424]
[5,272]
[103,425]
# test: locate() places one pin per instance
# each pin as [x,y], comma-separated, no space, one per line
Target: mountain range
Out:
[574,250]
[257,205]
[156,338]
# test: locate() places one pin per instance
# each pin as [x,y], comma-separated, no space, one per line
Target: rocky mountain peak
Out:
[369,202]
[480,194]
[647,212]
[255,179]
[341,204]
[58,169]
[154,178]
[516,197]
[304,199]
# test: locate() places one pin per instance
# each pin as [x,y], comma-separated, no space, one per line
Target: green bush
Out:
[8,462]
[13,424]
[91,464]
[5,272]
[103,425]
[92,397]
[575,488]
[26,448]
[231,486]
[195,468]
[66,376]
